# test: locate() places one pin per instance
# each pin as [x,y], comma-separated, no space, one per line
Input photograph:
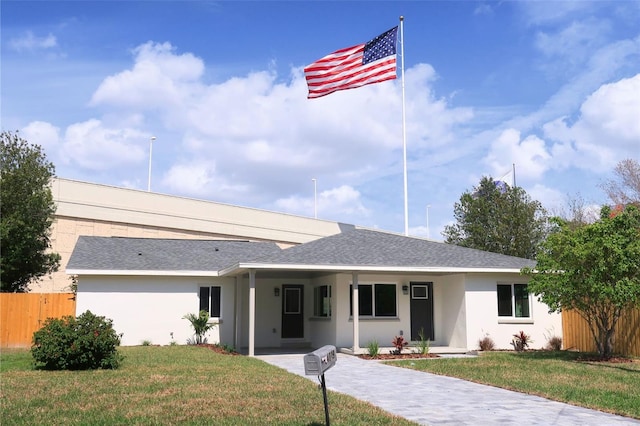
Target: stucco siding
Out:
[150,309]
[483,320]
[450,311]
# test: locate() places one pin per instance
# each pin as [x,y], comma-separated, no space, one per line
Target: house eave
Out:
[125,272]
[241,268]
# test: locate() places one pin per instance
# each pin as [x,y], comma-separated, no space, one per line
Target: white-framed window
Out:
[322,301]
[513,301]
[375,300]
[419,291]
[210,300]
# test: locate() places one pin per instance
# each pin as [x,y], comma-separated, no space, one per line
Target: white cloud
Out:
[44,134]
[607,130]
[551,199]
[92,146]
[572,45]
[158,79]
[262,133]
[529,154]
[483,9]
[89,145]
[200,179]
[30,42]
[545,12]
[331,204]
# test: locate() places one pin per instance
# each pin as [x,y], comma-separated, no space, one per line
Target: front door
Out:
[292,311]
[421,310]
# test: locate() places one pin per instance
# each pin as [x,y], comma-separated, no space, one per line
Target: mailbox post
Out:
[315,364]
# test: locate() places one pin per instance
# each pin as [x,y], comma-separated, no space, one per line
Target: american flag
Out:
[352,67]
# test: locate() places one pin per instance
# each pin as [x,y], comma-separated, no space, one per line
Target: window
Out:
[210,300]
[513,301]
[375,300]
[322,301]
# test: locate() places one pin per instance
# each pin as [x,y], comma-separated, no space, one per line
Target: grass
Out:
[604,386]
[173,385]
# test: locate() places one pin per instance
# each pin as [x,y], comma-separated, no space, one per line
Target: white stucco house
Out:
[346,290]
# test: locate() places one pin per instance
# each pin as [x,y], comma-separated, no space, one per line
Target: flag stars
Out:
[380,47]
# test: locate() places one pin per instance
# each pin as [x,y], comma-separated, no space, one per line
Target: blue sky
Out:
[552,87]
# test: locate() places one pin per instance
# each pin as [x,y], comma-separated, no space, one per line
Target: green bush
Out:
[82,343]
[373,348]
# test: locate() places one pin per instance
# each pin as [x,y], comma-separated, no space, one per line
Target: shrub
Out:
[225,347]
[486,343]
[373,348]
[520,341]
[398,343]
[201,326]
[82,343]
[554,343]
[423,344]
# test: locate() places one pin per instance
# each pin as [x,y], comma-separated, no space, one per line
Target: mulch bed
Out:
[401,356]
[613,360]
[219,349]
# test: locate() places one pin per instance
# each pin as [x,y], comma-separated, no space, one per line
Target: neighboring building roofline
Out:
[91,201]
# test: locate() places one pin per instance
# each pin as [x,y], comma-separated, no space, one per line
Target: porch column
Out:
[237,335]
[252,311]
[356,313]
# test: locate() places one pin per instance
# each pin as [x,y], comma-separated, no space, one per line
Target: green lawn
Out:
[610,387]
[172,385]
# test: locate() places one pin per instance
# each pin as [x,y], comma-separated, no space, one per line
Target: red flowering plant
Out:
[399,344]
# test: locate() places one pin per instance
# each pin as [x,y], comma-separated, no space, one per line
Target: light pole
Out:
[315,198]
[428,232]
[153,138]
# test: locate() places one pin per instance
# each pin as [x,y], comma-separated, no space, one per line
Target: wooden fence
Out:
[576,334]
[21,314]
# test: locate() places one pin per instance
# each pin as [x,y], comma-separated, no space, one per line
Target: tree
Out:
[498,218]
[26,214]
[578,212]
[594,270]
[625,189]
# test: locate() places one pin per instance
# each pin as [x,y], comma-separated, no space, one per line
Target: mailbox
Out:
[320,360]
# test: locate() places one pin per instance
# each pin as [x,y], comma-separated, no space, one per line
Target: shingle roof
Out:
[364,247]
[359,248]
[117,253]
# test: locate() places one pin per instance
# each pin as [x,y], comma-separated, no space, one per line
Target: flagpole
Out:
[404,133]
[514,174]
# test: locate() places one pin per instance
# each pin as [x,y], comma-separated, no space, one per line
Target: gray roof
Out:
[357,248]
[364,247]
[118,253]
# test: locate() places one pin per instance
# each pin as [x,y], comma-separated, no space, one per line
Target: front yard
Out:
[613,387]
[172,385]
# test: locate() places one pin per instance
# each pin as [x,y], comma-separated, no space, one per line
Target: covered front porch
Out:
[325,305]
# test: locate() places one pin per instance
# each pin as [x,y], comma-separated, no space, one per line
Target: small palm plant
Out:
[201,326]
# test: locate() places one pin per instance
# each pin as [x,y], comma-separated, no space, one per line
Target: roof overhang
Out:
[242,268]
[125,272]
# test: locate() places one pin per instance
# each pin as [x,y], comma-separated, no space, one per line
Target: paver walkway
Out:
[438,400]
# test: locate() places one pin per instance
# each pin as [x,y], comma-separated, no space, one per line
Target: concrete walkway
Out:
[430,399]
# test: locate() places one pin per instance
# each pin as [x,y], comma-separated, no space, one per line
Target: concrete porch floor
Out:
[440,350]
